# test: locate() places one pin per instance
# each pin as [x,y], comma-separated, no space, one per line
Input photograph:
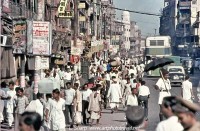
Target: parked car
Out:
[176,74]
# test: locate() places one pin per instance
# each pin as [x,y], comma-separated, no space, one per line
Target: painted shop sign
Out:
[19,36]
[41,38]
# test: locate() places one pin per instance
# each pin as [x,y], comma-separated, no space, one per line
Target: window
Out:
[160,42]
[152,42]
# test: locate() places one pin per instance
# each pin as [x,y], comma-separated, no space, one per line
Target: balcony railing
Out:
[184,4]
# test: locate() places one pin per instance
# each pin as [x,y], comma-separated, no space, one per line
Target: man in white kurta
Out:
[11,94]
[2,96]
[55,112]
[114,94]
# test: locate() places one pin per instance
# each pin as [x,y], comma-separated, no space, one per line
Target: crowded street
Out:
[112,121]
[100,65]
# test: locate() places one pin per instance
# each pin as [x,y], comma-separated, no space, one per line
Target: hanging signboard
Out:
[41,38]
[66,14]
[41,63]
[62,6]
[81,6]
[19,36]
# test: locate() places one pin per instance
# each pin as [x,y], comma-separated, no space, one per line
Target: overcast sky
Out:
[146,23]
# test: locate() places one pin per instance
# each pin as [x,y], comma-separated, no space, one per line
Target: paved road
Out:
[111,121]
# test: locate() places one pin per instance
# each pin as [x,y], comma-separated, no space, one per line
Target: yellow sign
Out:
[82,18]
[62,6]
[81,5]
[66,14]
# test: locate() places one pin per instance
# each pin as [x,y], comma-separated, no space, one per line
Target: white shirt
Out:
[86,94]
[69,96]
[144,90]
[57,117]
[187,87]
[171,124]
[163,84]
[11,101]
[67,76]
[107,77]
[132,100]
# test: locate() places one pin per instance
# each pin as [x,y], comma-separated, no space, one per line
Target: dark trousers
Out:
[85,105]
[145,101]
[69,109]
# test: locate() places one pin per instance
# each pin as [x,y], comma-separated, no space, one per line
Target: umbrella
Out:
[159,62]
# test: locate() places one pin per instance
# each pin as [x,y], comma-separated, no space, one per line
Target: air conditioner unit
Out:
[6,41]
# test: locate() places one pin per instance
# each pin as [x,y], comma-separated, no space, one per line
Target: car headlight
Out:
[181,76]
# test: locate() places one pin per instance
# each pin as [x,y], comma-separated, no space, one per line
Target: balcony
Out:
[181,33]
[184,19]
[132,39]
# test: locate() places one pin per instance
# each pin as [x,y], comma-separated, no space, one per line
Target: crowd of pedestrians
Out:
[77,103]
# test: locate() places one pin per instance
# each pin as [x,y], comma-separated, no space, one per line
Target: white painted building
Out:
[126,24]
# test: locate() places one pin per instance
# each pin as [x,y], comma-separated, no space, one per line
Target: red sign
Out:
[74,59]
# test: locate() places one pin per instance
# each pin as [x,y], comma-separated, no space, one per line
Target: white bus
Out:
[158,46]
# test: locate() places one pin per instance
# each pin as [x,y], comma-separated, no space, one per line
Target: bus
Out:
[157,46]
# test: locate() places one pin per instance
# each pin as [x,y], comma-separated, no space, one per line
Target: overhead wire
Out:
[139,12]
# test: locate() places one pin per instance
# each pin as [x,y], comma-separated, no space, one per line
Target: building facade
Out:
[179,22]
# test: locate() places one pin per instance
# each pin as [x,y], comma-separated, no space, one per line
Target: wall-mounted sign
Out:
[41,38]
[19,36]
[81,5]
[82,18]
[62,6]
[66,14]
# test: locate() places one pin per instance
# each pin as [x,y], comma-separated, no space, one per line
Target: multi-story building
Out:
[126,22]
[177,21]
[168,20]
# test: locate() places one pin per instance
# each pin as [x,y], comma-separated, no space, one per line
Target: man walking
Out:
[143,96]
[164,86]
[69,103]
[187,92]
[114,93]
[11,95]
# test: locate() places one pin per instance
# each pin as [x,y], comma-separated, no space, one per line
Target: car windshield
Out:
[175,70]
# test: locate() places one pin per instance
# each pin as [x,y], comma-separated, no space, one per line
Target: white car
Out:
[176,74]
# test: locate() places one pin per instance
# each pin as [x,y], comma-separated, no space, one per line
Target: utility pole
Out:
[75,21]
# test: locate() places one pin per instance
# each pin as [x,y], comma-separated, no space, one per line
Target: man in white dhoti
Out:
[164,86]
[54,112]
[114,94]
[11,95]
[77,104]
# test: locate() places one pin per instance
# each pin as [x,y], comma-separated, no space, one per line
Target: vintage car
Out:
[176,74]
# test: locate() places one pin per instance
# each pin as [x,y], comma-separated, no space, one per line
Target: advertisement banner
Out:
[41,38]
[6,6]
[41,63]
[29,36]
[19,36]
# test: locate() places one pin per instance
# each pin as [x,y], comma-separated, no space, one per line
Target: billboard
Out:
[19,36]
[41,38]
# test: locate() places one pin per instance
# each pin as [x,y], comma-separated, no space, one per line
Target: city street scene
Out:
[100,65]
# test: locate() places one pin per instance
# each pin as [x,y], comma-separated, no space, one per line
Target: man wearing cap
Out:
[171,123]
[114,94]
[186,111]
[163,85]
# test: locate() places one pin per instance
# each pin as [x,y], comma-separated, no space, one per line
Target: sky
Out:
[146,23]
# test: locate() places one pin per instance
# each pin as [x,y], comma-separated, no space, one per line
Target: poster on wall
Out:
[19,36]
[41,38]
